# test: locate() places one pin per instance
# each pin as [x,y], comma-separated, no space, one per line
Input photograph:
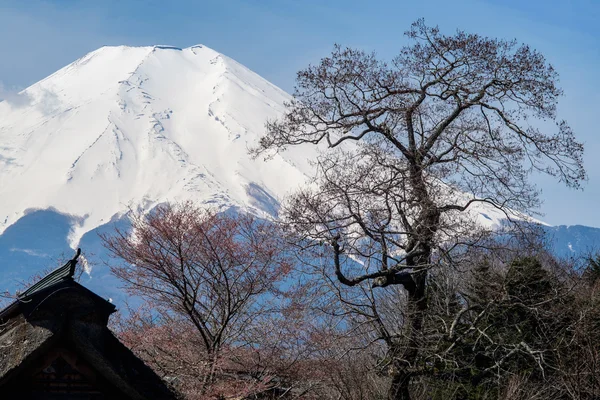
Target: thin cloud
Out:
[46,101]
[14,97]
[87,268]
[29,252]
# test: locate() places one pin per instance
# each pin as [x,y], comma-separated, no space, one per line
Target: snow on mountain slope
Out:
[126,127]
[130,127]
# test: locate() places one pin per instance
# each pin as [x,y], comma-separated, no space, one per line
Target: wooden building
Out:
[55,344]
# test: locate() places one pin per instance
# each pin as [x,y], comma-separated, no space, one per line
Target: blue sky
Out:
[276,38]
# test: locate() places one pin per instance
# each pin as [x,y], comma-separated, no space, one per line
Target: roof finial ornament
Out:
[74,263]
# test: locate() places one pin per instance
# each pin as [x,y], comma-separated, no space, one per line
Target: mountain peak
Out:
[166,47]
[130,127]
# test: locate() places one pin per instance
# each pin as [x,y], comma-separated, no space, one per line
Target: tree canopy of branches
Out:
[414,145]
[213,273]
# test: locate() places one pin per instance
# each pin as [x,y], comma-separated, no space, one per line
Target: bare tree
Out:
[415,147]
[217,273]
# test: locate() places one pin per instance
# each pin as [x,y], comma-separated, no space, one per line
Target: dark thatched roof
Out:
[59,312]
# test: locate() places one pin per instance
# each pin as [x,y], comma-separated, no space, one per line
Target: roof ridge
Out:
[60,274]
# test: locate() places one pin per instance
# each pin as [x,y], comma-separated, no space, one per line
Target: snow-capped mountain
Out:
[130,127]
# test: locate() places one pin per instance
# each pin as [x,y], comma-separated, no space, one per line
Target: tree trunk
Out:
[404,360]
[399,387]
[421,239]
[209,377]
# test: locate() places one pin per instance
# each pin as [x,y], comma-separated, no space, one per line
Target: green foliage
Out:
[511,324]
[527,281]
[591,273]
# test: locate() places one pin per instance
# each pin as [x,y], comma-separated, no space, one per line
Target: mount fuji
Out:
[127,128]
[130,127]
